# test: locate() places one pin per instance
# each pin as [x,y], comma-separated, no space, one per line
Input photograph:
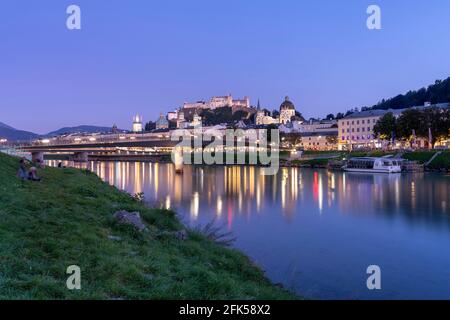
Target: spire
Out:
[259,105]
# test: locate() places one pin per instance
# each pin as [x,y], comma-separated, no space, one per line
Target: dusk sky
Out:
[149,57]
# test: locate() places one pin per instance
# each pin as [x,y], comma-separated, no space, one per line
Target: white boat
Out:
[375,165]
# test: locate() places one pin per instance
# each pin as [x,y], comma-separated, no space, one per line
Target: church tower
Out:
[137,124]
[181,122]
[260,114]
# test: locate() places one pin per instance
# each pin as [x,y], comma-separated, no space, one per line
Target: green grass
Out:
[66,220]
[380,153]
[312,162]
[442,161]
[419,156]
[373,153]
[314,152]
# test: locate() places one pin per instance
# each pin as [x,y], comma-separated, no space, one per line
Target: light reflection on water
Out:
[312,230]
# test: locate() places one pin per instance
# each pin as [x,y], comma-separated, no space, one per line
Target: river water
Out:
[315,231]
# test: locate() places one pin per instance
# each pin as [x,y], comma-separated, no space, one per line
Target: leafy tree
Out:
[409,121]
[299,115]
[385,128]
[172,124]
[330,116]
[217,116]
[340,115]
[419,121]
[149,126]
[292,138]
[332,139]
[435,119]
[349,112]
[239,115]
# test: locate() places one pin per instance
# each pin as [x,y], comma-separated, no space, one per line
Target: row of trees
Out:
[439,92]
[223,115]
[415,123]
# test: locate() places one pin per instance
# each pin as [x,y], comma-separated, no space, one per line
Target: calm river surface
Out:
[314,231]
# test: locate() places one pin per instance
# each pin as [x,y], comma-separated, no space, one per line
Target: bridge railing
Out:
[100,140]
[14,151]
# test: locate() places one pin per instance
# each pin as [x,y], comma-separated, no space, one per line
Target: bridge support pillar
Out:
[178,159]
[37,156]
[80,157]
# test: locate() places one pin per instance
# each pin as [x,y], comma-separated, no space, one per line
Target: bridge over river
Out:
[81,152]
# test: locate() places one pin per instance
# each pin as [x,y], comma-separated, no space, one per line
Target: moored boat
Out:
[375,165]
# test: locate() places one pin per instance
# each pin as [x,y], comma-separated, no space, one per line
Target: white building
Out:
[319,141]
[241,103]
[196,105]
[181,121]
[287,111]
[137,124]
[172,115]
[356,130]
[262,118]
[219,102]
[318,126]
[197,121]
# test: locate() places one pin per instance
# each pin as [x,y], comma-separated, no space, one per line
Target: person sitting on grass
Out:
[22,173]
[60,165]
[32,175]
[40,164]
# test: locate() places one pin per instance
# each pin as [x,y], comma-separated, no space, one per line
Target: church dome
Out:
[287,105]
[162,120]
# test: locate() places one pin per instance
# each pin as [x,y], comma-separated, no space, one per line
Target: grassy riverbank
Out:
[440,163]
[67,219]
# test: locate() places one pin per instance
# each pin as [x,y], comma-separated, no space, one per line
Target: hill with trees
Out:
[439,92]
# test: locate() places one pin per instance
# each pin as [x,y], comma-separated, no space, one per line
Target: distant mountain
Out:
[439,92]
[2,125]
[79,129]
[12,134]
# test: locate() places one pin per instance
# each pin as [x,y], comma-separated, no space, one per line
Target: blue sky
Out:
[147,57]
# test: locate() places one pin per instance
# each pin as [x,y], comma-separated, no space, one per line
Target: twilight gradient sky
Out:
[147,57]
